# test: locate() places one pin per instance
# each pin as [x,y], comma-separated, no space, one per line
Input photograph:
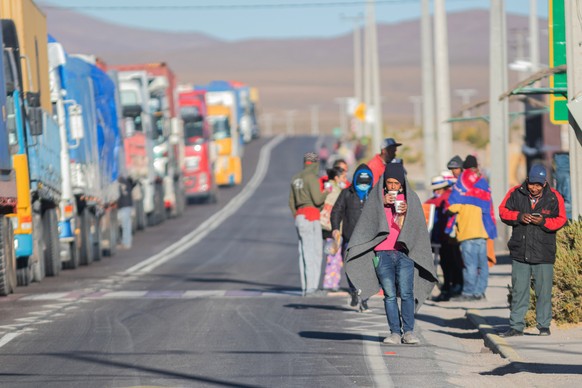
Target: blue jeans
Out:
[396,271]
[476,271]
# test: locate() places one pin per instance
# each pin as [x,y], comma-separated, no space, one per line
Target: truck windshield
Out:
[193,131]
[220,128]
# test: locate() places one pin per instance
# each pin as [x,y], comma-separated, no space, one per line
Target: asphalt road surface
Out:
[212,299]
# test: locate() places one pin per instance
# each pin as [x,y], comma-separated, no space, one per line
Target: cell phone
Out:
[536,214]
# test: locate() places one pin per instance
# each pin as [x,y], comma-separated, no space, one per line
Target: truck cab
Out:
[199,148]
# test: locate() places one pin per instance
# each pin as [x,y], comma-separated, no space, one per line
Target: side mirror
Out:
[129,126]
[56,55]
[132,110]
[34,115]
[76,122]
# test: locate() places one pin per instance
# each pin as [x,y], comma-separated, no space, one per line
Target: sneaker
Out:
[355,300]
[364,307]
[392,339]
[511,333]
[410,338]
[545,331]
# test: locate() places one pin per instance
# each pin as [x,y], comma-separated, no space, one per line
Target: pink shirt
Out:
[389,243]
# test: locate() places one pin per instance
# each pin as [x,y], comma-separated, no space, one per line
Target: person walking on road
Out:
[334,263]
[474,222]
[305,202]
[387,155]
[124,209]
[535,212]
[345,215]
[390,247]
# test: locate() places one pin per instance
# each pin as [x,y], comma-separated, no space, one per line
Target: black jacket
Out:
[347,209]
[126,185]
[535,244]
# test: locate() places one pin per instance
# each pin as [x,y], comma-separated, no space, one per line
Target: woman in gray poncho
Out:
[390,248]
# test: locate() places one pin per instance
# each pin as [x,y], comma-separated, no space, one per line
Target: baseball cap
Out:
[389,142]
[537,174]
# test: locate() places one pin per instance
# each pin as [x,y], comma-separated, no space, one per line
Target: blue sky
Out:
[236,24]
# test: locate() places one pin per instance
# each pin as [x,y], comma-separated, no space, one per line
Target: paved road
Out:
[211,299]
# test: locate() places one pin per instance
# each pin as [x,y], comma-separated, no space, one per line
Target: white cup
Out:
[393,193]
[397,205]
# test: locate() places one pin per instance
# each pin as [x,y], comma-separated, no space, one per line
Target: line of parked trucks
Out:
[71,125]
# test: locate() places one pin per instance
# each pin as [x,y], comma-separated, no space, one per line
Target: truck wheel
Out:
[7,258]
[140,215]
[111,233]
[96,229]
[24,273]
[52,256]
[86,250]
[74,256]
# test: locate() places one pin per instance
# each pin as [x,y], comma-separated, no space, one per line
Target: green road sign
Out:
[557,45]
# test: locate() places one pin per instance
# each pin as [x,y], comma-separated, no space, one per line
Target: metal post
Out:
[290,123]
[534,38]
[268,123]
[367,80]
[417,110]
[378,127]
[465,95]
[358,92]
[314,120]
[428,97]
[574,61]
[499,119]
[442,82]
[343,114]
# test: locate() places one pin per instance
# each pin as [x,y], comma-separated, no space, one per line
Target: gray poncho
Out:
[372,228]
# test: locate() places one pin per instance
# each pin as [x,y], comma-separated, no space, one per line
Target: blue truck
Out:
[83,98]
[36,146]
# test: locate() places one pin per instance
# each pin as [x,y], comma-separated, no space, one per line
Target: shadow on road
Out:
[537,368]
[302,306]
[324,335]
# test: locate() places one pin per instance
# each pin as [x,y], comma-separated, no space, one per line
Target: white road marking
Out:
[213,222]
[7,338]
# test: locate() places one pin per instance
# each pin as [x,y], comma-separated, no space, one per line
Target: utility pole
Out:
[374,68]
[343,114]
[465,95]
[534,38]
[428,97]
[443,87]
[368,81]
[358,92]
[417,110]
[314,120]
[290,122]
[574,61]
[498,110]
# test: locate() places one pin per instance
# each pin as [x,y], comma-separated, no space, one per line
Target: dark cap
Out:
[470,162]
[537,174]
[395,171]
[389,142]
[455,162]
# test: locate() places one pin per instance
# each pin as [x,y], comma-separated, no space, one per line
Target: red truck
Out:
[199,149]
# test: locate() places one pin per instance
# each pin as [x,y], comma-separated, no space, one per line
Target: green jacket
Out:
[305,190]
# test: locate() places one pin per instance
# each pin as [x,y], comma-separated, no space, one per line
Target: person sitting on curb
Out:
[535,212]
[390,247]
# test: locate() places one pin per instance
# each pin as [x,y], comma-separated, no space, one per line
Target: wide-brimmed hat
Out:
[439,182]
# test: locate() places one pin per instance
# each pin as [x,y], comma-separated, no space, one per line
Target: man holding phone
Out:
[535,212]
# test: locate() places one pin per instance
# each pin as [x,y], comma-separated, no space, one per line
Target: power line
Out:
[205,7]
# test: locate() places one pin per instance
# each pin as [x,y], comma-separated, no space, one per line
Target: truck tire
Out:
[24,274]
[7,257]
[140,215]
[74,257]
[52,254]
[97,250]
[111,233]
[86,250]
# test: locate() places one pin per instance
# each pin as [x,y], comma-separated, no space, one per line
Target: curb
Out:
[492,340]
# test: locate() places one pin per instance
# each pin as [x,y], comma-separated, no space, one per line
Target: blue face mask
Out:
[363,187]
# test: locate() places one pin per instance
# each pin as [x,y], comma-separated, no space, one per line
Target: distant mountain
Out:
[293,74]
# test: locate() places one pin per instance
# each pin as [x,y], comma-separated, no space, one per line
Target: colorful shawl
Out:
[472,189]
